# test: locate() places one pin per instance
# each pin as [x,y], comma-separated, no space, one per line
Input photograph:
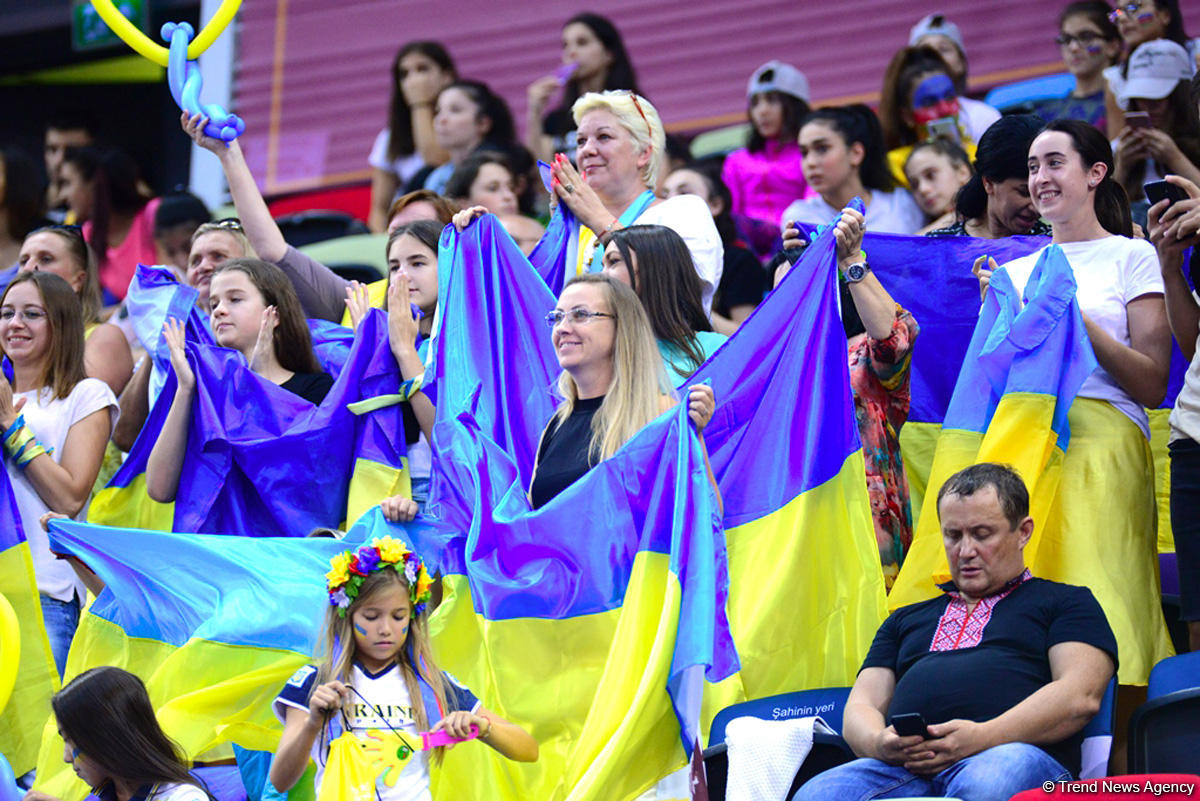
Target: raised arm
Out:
[1172,231]
[166,459]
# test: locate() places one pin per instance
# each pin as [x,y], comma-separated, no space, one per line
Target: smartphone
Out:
[945,128]
[1138,119]
[1157,191]
[908,724]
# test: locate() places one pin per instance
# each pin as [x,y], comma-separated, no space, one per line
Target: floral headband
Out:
[349,569]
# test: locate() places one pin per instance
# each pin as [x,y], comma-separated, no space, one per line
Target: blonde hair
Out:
[230,227]
[340,649]
[638,379]
[638,117]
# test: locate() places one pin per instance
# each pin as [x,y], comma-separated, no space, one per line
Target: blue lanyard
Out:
[627,218]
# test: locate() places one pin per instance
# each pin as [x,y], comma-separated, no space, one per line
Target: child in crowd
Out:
[254,310]
[114,743]
[936,170]
[944,36]
[1090,43]
[765,175]
[380,676]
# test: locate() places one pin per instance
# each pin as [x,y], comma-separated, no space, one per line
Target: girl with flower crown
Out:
[380,679]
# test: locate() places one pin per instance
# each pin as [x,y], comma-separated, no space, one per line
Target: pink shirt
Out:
[137,248]
[764,183]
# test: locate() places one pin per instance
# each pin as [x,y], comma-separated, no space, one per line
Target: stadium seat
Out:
[720,141]
[1023,95]
[308,227]
[828,751]
[1164,732]
[1098,735]
[358,251]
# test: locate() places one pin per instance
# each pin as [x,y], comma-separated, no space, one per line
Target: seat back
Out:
[1164,734]
[1013,96]
[308,227]
[1173,674]
[1098,735]
[358,249]
[827,702]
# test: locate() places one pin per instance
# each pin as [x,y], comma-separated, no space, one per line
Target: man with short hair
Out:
[65,130]
[1006,669]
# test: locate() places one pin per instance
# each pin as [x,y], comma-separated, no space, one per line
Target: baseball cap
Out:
[776,76]
[1155,68]
[936,25]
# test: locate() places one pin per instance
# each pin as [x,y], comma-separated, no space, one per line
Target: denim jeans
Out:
[420,492]
[61,619]
[996,774]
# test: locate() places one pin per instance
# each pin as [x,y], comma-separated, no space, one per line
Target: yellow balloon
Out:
[131,35]
[10,649]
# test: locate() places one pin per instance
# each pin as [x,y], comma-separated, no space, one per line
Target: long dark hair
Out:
[794,111]
[292,339]
[22,192]
[400,133]
[427,232]
[667,285]
[1096,12]
[106,714]
[63,367]
[1175,30]
[710,170]
[1003,153]
[458,186]
[857,123]
[115,189]
[1182,124]
[898,83]
[1111,202]
[620,75]
[502,133]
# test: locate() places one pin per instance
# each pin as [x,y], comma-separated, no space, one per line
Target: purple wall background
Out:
[312,78]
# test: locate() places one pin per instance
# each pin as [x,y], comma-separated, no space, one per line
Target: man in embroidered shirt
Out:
[1006,669]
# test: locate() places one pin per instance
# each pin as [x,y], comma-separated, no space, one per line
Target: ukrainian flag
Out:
[1023,368]
[215,626]
[341,457]
[30,658]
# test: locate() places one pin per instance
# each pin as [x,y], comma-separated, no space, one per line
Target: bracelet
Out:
[485,734]
[21,444]
[608,229]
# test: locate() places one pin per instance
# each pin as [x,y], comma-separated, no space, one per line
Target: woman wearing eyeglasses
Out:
[1139,21]
[56,422]
[620,153]
[1089,43]
[612,383]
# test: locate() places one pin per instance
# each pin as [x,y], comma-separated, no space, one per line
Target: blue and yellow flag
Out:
[36,676]
[261,460]
[215,626]
[783,444]
[1023,368]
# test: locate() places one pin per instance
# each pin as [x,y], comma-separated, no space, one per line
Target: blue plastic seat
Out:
[1164,732]
[1011,96]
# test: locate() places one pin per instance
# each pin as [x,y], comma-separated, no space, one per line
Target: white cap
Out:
[776,76]
[1155,69]
[936,25]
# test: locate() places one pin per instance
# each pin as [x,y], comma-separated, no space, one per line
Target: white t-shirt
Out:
[690,217]
[378,702]
[404,167]
[977,115]
[50,421]
[1109,272]
[892,212]
[178,792]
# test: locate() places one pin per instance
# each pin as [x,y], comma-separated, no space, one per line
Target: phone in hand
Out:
[944,128]
[910,723]
[1157,191]
[1138,119]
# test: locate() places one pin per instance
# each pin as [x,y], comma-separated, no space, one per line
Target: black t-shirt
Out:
[313,387]
[563,455]
[743,281]
[1009,662]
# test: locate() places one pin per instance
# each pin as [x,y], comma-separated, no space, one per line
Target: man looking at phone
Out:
[1004,668]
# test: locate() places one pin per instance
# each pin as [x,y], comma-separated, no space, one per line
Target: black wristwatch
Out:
[857,272]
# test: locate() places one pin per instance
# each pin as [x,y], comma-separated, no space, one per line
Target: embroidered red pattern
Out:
[957,628]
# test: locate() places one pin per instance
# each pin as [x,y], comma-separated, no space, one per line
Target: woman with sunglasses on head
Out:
[620,159]
[56,422]
[1139,21]
[612,383]
[1089,43]
[62,250]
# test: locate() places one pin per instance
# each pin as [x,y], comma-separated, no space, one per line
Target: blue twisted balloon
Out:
[183,77]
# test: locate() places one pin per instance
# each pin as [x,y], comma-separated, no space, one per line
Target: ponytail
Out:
[1112,207]
[971,201]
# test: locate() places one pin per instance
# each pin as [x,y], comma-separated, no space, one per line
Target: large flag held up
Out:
[243,428]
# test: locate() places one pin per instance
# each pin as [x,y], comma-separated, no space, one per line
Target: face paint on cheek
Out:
[933,90]
[1093,50]
[360,630]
